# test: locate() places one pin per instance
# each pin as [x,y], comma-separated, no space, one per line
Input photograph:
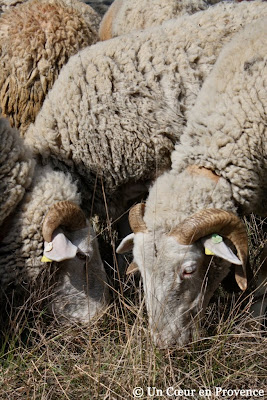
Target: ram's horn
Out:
[136,218]
[63,213]
[224,223]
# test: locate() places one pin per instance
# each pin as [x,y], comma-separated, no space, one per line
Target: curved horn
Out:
[63,213]
[136,218]
[226,224]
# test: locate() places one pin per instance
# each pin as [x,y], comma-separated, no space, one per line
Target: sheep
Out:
[218,174]
[36,39]
[117,108]
[49,211]
[124,16]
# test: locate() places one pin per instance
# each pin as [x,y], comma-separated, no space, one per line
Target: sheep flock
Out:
[154,107]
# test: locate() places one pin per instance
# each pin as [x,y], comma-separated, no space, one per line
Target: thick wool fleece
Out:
[118,107]
[36,40]
[226,129]
[16,170]
[21,249]
[125,16]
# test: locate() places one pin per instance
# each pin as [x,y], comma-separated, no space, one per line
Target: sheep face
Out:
[178,276]
[178,282]
[81,288]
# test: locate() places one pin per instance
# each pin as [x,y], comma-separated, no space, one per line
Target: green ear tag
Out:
[216,238]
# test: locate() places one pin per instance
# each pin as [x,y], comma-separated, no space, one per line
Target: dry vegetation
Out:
[40,359]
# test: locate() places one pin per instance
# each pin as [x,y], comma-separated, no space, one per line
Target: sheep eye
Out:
[81,256]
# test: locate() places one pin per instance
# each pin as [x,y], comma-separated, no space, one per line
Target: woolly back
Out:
[36,39]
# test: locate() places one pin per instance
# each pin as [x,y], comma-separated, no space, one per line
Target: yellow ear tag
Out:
[45,259]
[209,252]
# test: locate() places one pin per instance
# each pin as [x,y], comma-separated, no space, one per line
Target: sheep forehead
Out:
[160,250]
[82,239]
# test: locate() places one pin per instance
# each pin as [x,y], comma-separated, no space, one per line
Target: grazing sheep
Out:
[50,212]
[36,39]
[117,108]
[218,173]
[124,16]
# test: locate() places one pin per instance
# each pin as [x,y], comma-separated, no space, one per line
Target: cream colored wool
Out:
[124,16]
[226,129]
[226,133]
[118,107]
[36,39]
[16,170]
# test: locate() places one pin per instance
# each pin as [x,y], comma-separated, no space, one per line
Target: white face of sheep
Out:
[178,278]
[81,287]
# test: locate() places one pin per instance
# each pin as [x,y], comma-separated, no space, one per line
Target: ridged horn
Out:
[63,213]
[136,218]
[222,222]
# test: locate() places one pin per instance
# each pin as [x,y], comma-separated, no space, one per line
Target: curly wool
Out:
[16,170]
[36,39]
[118,107]
[125,16]
[226,129]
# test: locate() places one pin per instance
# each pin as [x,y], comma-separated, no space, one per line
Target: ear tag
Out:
[44,259]
[209,252]
[60,249]
[49,246]
[216,238]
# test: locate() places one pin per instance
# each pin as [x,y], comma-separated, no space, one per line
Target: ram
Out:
[36,39]
[218,174]
[117,108]
[43,205]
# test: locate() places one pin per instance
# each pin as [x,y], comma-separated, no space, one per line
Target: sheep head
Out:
[179,278]
[81,287]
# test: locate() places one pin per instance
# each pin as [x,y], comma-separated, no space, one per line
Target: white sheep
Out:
[117,108]
[49,211]
[36,39]
[218,173]
[124,16]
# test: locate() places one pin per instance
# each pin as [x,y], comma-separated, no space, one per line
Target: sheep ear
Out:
[214,245]
[132,269]
[126,244]
[59,249]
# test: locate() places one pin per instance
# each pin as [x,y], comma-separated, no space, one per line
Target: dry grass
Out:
[40,359]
